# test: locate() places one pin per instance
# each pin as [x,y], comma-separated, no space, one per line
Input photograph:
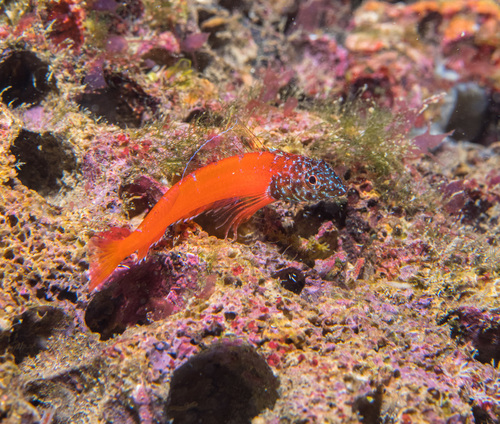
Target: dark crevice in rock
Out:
[146,292]
[31,330]
[291,279]
[122,101]
[481,328]
[24,78]
[369,406]
[226,383]
[41,161]
[66,390]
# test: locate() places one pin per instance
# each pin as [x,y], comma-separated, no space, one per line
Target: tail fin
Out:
[107,250]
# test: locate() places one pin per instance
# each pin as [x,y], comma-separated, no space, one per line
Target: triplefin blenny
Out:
[236,186]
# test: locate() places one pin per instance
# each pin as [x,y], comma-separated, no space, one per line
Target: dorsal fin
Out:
[236,139]
[202,146]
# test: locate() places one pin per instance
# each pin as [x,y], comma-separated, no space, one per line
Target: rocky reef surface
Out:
[381,306]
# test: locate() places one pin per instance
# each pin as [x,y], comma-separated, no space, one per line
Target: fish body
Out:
[237,186]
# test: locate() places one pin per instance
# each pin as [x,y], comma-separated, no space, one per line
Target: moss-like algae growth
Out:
[370,140]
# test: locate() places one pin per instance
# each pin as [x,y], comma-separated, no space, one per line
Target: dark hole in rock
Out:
[102,315]
[465,111]
[41,160]
[428,27]
[8,254]
[368,87]
[309,220]
[12,220]
[291,279]
[226,383]
[160,57]
[481,328]
[200,59]
[41,293]
[204,117]
[24,78]
[230,316]
[483,415]
[122,102]
[140,195]
[214,40]
[65,390]
[146,292]
[204,15]
[67,295]
[31,330]
[369,406]
[243,6]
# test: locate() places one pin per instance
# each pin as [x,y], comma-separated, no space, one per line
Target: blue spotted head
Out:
[299,178]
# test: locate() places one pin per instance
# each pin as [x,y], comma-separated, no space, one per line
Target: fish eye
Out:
[312,180]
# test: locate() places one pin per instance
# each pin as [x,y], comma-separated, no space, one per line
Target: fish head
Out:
[304,179]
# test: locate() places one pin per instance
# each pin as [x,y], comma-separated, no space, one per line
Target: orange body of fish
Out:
[239,185]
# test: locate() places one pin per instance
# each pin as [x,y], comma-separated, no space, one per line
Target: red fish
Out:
[239,185]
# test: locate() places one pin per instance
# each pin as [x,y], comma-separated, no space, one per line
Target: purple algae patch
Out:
[140,195]
[146,292]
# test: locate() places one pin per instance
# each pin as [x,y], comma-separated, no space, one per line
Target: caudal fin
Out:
[107,251]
